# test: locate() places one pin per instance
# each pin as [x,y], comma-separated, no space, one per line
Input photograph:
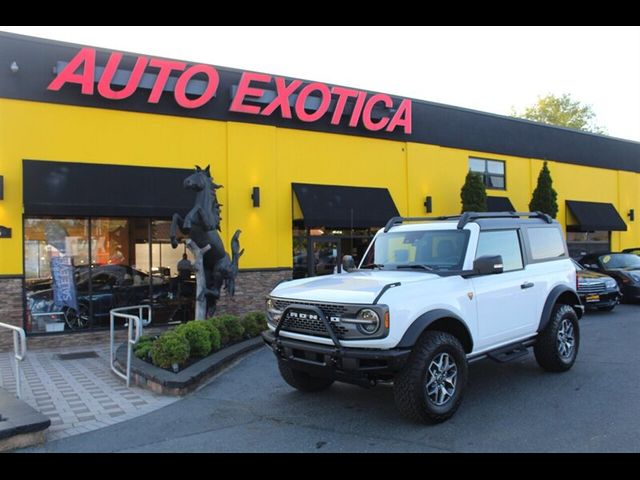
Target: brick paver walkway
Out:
[77,395]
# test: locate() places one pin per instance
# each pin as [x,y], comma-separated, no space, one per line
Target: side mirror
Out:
[488,264]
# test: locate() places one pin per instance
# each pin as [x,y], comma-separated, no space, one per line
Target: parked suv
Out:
[429,298]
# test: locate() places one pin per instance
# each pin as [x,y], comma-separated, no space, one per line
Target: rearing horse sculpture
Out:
[202,225]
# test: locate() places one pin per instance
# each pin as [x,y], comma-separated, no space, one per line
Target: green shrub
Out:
[254,323]
[170,348]
[222,329]
[198,336]
[142,350]
[143,347]
[214,334]
[234,328]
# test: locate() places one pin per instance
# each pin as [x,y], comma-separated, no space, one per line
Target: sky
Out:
[485,68]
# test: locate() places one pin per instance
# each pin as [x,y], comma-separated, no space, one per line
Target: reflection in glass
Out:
[46,239]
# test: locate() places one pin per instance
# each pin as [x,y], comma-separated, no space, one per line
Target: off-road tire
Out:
[302,381]
[547,349]
[410,385]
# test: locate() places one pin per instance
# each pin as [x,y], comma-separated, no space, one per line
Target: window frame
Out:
[521,244]
[486,174]
[527,245]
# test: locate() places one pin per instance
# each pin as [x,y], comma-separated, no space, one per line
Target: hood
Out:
[355,287]
[591,275]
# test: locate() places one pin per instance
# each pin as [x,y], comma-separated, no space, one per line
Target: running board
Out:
[508,354]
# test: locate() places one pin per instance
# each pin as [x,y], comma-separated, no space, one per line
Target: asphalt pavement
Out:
[511,407]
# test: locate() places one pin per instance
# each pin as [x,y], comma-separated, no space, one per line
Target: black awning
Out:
[593,216]
[499,204]
[83,189]
[344,207]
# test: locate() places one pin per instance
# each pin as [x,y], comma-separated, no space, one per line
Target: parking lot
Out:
[595,407]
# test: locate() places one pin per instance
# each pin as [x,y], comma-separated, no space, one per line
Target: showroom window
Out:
[492,172]
[78,269]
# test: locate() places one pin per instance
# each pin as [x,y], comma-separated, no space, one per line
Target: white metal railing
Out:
[133,321]
[19,352]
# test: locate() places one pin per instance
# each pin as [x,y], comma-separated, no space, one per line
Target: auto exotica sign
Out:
[255,94]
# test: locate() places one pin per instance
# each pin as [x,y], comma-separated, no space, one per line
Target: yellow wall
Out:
[246,155]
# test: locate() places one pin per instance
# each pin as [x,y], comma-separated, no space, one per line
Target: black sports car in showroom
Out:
[109,287]
[596,290]
[623,267]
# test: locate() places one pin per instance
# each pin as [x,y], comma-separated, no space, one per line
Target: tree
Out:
[563,111]
[473,194]
[544,196]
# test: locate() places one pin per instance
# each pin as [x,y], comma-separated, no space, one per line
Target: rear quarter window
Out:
[545,243]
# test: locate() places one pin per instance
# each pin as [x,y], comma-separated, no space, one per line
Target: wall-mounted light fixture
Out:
[255,196]
[427,204]
[632,215]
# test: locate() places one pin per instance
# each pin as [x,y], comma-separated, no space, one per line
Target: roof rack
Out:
[467,217]
[400,220]
[471,216]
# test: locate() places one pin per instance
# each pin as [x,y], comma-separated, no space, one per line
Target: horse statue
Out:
[202,225]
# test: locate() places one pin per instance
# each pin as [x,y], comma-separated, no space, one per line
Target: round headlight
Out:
[371,321]
[610,283]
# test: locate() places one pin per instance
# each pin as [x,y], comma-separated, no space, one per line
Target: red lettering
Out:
[357,109]
[343,96]
[166,67]
[302,100]
[283,91]
[244,90]
[86,57]
[104,85]
[369,124]
[402,117]
[180,91]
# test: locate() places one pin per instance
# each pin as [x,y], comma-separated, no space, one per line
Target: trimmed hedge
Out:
[254,323]
[222,329]
[235,330]
[214,334]
[198,336]
[170,348]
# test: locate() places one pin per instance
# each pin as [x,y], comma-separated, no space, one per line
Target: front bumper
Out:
[605,299]
[351,365]
[631,293]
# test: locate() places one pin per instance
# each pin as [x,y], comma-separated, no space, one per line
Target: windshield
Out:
[620,260]
[423,249]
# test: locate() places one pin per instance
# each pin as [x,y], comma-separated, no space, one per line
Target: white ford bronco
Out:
[430,296]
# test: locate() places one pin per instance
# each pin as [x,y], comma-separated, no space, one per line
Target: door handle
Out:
[526,285]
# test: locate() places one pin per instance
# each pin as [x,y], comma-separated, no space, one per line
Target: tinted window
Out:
[505,243]
[545,243]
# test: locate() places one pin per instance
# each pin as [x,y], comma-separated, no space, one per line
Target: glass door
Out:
[324,254]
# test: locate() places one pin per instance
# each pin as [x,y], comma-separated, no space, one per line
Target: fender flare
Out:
[419,325]
[552,299]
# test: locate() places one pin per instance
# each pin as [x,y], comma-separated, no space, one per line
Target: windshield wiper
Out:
[373,265]
[417,265]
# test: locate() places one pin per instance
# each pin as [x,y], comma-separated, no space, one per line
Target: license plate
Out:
[593,298]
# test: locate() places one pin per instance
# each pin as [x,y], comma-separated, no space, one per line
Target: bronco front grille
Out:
[311,326]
